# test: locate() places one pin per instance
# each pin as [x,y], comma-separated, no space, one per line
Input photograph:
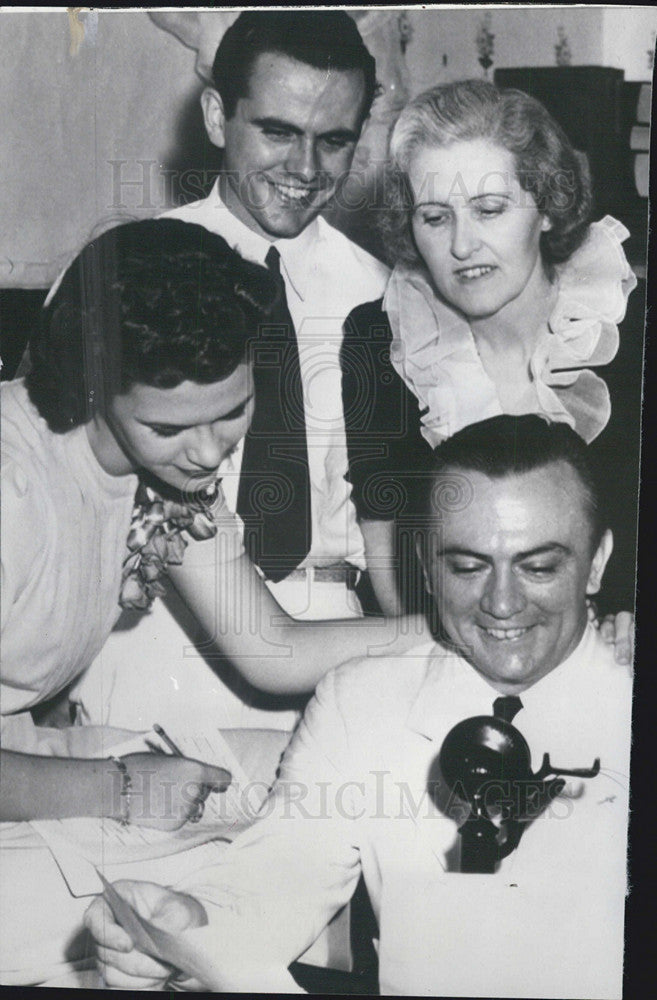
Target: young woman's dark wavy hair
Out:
[156,302]
[548,167]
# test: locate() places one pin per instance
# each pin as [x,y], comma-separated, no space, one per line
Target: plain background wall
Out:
[621,37]
[522,38]
[64,117]
[628,40]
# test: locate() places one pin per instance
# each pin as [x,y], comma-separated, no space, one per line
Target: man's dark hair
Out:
[156,302]
[327,40]
[511,445]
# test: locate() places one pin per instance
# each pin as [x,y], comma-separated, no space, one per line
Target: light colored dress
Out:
[65,522]
[64,527]
[434,351]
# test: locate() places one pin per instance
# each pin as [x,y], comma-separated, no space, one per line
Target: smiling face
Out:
[288,143]
[477,231]
[179,435]
[510,573]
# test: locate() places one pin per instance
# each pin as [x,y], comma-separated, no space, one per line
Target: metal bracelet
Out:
[126,790]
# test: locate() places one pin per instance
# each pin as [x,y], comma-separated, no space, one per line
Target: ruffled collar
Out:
[434,351]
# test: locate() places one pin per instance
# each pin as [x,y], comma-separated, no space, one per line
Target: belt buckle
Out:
[343,573]
[338,573]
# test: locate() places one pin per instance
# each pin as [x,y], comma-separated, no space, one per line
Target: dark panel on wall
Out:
[597,110]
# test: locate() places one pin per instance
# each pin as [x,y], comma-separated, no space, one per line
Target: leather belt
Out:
[336,573]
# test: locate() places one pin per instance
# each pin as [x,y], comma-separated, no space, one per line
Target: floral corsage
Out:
[156,541]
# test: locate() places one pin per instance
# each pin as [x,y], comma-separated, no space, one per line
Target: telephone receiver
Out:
[486,762]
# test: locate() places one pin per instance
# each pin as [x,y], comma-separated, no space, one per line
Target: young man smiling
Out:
[515,539]
[508,569]
[288,127]
[291,93]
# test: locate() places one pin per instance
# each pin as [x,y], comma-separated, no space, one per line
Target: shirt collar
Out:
[248,244]
[297,254]
[450,688]
[549,690]
[449,676]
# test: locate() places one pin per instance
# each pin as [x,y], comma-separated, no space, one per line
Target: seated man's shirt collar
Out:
[471,694]
[565,676]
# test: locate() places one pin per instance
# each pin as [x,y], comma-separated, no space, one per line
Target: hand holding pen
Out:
[205,789]
[166,791]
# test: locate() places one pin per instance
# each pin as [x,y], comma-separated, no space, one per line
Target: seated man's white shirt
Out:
[152,667]
[352,796]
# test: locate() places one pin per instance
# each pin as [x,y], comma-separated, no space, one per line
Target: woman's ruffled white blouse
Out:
[434,351]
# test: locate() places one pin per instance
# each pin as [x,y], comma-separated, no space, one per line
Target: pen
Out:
[167,739]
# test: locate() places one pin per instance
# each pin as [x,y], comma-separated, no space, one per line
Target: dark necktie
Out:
[273,498]
[507,707]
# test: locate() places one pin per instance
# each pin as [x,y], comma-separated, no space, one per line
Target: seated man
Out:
[514,541]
